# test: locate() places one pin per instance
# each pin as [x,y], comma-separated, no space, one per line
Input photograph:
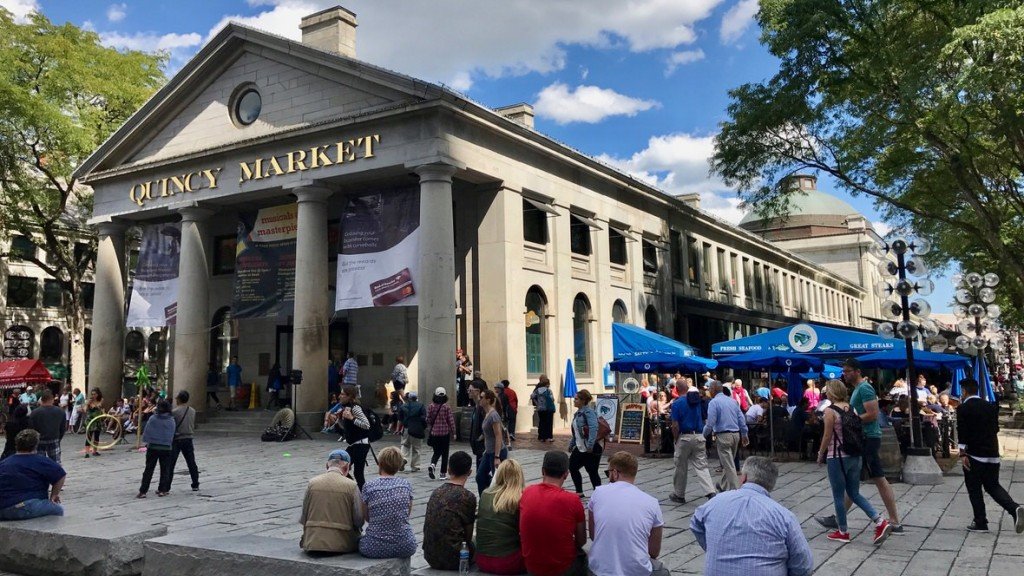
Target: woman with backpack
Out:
[584,449]
[544,400]
[841,449]
[440,429]
[357,432]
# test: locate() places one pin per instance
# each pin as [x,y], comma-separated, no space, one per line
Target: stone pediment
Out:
[299,86]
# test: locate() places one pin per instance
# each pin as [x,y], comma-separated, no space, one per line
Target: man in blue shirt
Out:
[726,422]
[772,542]
[234,372]
[25,478]
[690,449]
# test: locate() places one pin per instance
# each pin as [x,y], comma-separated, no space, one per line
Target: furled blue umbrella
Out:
[569,385]
[984,382]
[954,387]
[661,362]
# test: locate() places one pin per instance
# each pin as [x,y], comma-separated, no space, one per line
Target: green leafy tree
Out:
[918,104]
[62,94]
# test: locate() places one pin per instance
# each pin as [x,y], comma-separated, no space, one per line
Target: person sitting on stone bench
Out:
[332,511]
[25,478]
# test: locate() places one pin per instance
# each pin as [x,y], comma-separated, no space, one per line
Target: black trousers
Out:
[442,445]
[358,452]
[589,460]
[163,457]
[545,425]
[984,475]
[213,394]
[510,415]
[184,447]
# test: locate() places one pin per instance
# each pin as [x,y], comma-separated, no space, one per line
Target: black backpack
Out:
[416,423]
[376,431]
[853,432]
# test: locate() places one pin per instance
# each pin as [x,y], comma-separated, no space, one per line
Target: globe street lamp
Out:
[907,277]
[978,315]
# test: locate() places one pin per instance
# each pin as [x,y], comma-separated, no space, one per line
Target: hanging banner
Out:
[155,286]
[265,263]
[378,260]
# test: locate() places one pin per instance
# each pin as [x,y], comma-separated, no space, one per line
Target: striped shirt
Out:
[350,370]
[746,533]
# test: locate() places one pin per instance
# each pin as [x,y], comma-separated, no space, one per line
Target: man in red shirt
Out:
[552,525]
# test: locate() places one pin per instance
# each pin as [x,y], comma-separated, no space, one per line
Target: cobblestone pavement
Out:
[250,487]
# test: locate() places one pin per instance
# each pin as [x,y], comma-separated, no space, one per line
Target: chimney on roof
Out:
[333,29]
[692,200]
[519,113]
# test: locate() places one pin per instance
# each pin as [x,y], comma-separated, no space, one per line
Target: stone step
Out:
[197,554]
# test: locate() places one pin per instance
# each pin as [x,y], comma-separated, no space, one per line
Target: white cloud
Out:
[881,228]
[589,104]
[454,42]
[737,20]
[150,42]
[20,8]
[679,164]
[677,59]
[117,12]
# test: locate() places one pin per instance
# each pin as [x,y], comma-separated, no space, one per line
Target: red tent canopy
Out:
[20,372]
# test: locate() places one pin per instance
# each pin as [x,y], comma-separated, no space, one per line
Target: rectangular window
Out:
[579,236]
[723,272]
[88,291]
[224,248]
[734,267]
[22,248]
[535,221]
[706,263]
[650,257]
[758,282]
[748,278]
[53,294]
[616,247]
[81,252]
[22,292]
[693,267]
[675,240]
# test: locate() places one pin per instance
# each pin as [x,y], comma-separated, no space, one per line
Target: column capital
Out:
[195,213]
[312,193]
[111,227]
[436,172]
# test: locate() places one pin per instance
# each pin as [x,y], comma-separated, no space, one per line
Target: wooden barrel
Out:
[892,459]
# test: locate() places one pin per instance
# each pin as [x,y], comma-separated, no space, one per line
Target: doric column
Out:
[309,339]
[192,326]
[436,333]
[106,355]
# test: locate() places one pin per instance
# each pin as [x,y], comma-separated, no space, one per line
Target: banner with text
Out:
[155,285]
[265,263]
[378,261]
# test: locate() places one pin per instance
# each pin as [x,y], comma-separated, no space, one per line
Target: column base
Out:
[921,470]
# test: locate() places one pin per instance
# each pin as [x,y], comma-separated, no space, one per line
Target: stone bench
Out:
[428,571]
[59,546]
[196,554]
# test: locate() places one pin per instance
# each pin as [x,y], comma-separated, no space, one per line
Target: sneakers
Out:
[827,522]
[1019,524]
[838,536]
[897,528]
[444,477]
[975,527]
[430,471]
[677,499]
[882,531]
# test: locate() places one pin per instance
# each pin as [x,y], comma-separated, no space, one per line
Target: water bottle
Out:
[464,559]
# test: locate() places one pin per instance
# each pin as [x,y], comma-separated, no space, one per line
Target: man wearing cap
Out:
[332,514]
[414,428]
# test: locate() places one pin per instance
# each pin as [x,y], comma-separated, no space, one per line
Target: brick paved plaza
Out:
[249,487]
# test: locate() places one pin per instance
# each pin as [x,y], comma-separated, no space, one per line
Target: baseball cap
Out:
[411,394]
[439,391]
[499,385]
[339,455]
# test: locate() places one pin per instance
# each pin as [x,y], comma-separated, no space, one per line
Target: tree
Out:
[918,104]
[61,95]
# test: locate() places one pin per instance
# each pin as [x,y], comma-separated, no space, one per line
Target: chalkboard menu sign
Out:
[631,423]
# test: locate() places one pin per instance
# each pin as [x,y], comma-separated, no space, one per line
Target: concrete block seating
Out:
[428,571]
[59,546]
[197,554]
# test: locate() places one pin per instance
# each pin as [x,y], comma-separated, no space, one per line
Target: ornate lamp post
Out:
[979,317]
[908,320]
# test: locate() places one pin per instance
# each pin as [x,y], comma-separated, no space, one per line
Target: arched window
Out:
[536,310]
[619,312]
[581,334]
[223,338]
[19,342]
[651,319]
[156,348]
[134,346]
[51,344]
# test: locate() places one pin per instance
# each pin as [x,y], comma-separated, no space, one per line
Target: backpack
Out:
[853,432]
[376,431]
[416,424]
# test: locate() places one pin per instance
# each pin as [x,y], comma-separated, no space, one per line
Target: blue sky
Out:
[641,84]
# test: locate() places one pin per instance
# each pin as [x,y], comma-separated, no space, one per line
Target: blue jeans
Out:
[32,509]
[844,476]
[485,470]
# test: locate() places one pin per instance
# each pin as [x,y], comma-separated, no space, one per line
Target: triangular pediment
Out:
[298,87]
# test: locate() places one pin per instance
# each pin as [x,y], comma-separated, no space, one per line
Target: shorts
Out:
[872,462]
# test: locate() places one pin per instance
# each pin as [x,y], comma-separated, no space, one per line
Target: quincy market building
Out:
[526,250]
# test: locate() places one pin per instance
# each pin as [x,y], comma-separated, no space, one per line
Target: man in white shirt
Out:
[755,412]
[625,524]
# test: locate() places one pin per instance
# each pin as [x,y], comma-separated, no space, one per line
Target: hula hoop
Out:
[118,431]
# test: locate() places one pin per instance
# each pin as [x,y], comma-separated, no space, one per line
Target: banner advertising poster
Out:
[608,408]
[265,263]
[155,286]
[378,260]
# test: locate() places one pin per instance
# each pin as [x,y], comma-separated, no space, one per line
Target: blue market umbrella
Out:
[954,387]
[788,363]
[984,383]
[829,371]
[569,385]
[662,362]
[897,360]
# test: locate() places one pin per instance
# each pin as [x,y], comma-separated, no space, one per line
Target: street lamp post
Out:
[908,320]
[979,316]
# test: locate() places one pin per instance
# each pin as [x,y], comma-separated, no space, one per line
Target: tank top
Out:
[837,436]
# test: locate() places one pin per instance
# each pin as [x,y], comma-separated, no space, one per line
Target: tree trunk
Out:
[75,315]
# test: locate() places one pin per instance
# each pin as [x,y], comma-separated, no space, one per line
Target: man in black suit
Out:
[977,424]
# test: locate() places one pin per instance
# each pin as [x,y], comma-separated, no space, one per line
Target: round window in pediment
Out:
[247,105]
